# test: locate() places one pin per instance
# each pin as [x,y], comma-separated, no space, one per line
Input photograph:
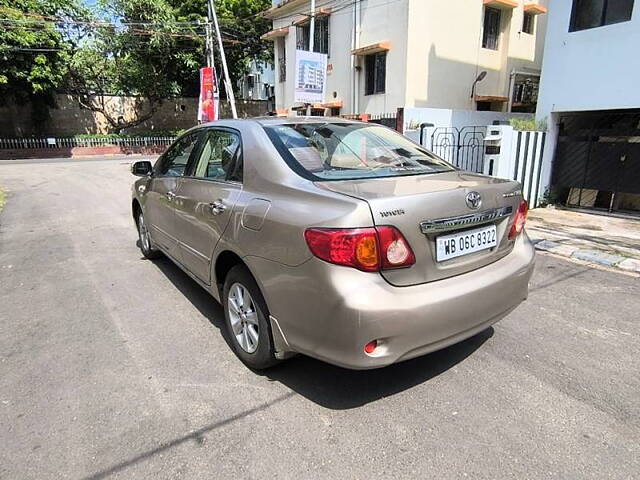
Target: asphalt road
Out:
[111,365]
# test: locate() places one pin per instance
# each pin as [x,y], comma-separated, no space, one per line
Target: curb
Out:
[593,256]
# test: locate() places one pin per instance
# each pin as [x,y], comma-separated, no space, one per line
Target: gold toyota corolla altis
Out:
[340,240]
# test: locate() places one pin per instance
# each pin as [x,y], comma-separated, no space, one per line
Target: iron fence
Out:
[386,119]
[462,147]
[71,142]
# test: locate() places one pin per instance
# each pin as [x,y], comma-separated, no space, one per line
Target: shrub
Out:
[112,136]
[528,123]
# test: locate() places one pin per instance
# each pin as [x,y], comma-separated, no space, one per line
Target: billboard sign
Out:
[311,77]
[208,104]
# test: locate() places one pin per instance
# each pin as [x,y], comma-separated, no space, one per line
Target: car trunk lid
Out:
[425,207]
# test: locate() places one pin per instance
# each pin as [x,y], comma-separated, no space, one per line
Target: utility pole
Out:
[312,25]
[312,34]
[209,45]
[227,81]
[210,59]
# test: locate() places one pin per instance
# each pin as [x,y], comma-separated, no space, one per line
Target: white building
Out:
[385,54]
[590,100]
[259,83]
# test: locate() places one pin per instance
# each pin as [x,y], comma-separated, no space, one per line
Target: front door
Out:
[160,196]
[206,197]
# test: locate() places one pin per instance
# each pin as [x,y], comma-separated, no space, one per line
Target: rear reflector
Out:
[370,347]
[368,249]
[519,220]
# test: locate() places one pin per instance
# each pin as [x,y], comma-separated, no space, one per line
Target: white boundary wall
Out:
[445,117]
[521,152]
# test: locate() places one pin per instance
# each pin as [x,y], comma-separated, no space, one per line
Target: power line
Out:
[8,23]
[21,49]
[60,20]
[335,8]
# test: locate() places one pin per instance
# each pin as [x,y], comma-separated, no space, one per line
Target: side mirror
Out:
[141,168]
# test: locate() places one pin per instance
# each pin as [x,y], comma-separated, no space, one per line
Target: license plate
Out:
[458,244]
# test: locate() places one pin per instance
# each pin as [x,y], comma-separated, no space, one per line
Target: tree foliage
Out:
[156,49]
[151,49]
[35,46]
[241,25]
[144,54]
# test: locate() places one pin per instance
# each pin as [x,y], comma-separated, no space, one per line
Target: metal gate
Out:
[597,161]
[462,147]
[386,119]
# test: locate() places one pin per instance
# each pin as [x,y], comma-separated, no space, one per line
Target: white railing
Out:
[71,142]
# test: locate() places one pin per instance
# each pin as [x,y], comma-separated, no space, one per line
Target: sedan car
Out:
[340,240]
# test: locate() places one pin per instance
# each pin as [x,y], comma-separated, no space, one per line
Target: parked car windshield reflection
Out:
[337,151]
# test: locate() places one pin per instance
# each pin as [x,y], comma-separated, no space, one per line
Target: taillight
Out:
[356,247]
[369,249]
[394,249]
[518,222]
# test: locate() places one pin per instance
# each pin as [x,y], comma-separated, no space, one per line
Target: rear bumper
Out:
[333,311]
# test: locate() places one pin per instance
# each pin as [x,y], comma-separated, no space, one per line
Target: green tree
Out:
[241,25]
[153,49]
[139,49]
[35,46]
[150,49]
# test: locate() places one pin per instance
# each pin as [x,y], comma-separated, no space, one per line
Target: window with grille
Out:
[597,13]
[320,35]
[528,23]
[491,28]
[282,60]
[375,66]
[302,37]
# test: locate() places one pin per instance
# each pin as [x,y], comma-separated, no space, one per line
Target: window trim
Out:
[161,160]
[282,60]
[603,16]
[375,55]
[485,31]
[192,165]
[301,26]
[533,22]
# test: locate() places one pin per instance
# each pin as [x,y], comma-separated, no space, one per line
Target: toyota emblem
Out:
[474,200]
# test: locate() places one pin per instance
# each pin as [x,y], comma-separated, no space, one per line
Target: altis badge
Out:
[515,193]
[392,213]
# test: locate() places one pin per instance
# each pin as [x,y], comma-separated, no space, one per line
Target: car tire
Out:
[144,239]
[247,319]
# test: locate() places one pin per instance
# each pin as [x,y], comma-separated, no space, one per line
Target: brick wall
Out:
[67,118]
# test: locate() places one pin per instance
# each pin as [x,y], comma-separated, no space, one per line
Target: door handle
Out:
[217,207]
[170,196]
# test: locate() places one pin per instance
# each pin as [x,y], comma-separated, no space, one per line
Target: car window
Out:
[175,160]
[220,157]
[340,151]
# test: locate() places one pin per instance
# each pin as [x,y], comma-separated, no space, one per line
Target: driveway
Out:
[113,366]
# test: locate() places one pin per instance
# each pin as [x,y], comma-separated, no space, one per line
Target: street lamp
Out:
[479,78]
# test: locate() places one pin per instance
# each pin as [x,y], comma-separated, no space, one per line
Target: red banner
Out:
[209,97]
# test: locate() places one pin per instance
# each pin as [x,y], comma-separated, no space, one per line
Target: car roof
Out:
[283,120]
[264,121]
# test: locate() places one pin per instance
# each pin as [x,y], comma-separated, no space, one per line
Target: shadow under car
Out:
[328,385]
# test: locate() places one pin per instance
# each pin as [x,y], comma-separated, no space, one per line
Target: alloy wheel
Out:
[143,232]
[243,318]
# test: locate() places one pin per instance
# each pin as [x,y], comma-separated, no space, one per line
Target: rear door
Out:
[426,207]
[161,192]
[206,197]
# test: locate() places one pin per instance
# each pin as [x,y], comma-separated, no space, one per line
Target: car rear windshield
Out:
[343,151]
